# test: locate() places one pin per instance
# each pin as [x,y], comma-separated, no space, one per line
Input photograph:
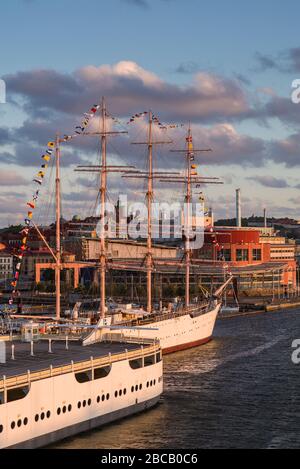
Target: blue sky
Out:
[68,34]
[172,50]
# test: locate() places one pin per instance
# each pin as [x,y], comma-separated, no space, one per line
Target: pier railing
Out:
[26,379]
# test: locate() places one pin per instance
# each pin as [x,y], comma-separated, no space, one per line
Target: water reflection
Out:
[240,390]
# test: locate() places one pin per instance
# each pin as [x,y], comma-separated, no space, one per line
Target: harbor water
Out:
[239,391]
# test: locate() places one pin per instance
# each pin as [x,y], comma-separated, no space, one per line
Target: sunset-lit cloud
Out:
[128,87]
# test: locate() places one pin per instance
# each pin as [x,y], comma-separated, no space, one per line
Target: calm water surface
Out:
[241,390]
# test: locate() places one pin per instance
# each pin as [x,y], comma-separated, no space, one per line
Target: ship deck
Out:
[42,359]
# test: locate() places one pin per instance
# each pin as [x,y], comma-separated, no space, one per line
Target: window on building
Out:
[225,255]
[242,255]
[256,254]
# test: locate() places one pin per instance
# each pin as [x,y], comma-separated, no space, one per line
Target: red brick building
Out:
[254,258]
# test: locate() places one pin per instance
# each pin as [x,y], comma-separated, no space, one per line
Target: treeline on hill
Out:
[257,220]
[231,222]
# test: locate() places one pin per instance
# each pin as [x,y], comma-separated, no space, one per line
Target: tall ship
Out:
[55,379]
[177,328]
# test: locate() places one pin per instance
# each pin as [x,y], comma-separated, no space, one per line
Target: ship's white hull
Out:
[181,332]
[36,420]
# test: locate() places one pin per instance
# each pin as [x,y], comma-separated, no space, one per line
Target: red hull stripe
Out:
[177,348]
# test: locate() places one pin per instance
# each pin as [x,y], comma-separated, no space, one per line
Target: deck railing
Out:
[26,379]
[163,316]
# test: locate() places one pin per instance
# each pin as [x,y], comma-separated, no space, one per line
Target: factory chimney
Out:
[238,209]
[265,218]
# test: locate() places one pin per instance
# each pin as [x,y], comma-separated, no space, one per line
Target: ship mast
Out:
[188,221]
[58,219]
[103,190]
[56,253]
[149,206]
[103,169]
[189,179]
[149,176]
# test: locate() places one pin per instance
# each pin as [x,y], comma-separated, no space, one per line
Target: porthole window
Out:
[98,399]
[79,405]
[19,423]
[36,418]
[89,402]
[124,391]
[1,428]
[107,396]
[48,414]
[59,411]
[154,382]
[120,392]
[151,383]
[69,407]
[13,424]
[132,388]
[42,416]
[147,384]
[84,403]
[141,386]
[103,398]
[25,421]
[136,388]
[116,393]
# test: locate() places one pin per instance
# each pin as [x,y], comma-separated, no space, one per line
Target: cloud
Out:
[128,88]
[29,155]
[294,58]
[41,87]
[286,151]
[265,62]
[295,201]
[269,181]
[4,136]
[87,183]
[138,3]
[29,141]
[56,101]
[11,178]
[241,78]
[282,108]
[286,61]
[229,146]
[86,196]
[141,3]
[187,68]
[10,208]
